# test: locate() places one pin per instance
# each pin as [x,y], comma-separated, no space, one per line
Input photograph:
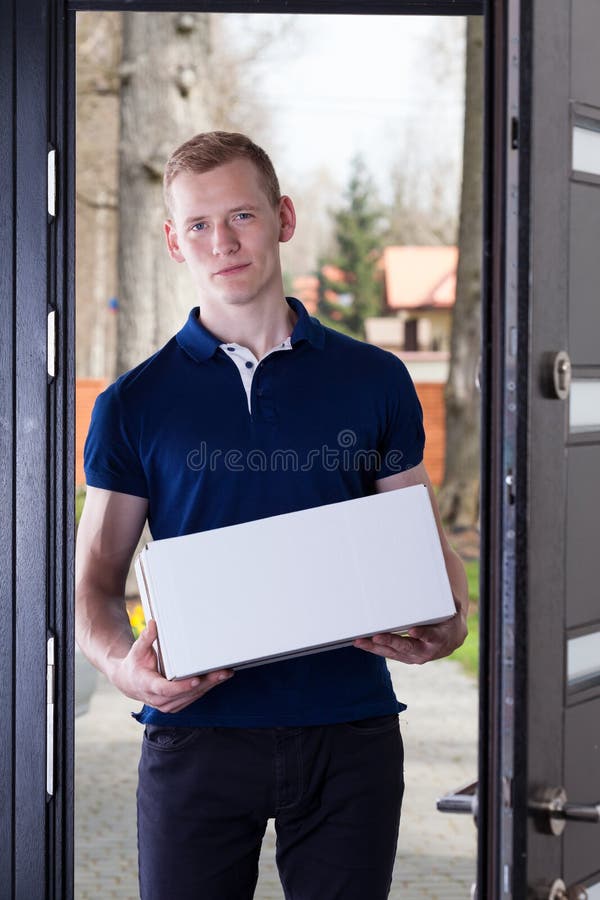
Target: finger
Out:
[204,683]
[382,649]
[196,686]
[386,637]
[404,649]
[367,643]
[150,632]
[424,632]
[383,638]
[395,642]
[145,638]
[179,701]
[433,632]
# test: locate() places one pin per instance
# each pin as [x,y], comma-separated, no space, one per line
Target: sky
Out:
[376,85]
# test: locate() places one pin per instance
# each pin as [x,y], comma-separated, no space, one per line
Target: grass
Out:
[472,570]
[79,501]
[468,654]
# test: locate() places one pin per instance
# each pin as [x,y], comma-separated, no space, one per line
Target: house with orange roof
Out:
[420,291]
[420,287]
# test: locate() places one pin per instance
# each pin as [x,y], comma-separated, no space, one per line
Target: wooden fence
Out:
[430,395]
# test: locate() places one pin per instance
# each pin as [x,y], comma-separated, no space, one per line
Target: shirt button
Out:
[231,349]
[249,364]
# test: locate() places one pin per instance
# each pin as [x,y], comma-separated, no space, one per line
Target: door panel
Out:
[581,841]
[563,503]
[582,783]
[585,62]
[31,535]
[7,473]
[546,184]
[584,275]
[583,526]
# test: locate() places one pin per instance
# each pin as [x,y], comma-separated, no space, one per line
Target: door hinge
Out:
[52,183]
[50,690]
[514,133]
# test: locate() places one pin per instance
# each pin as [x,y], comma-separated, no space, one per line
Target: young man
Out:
[313,742]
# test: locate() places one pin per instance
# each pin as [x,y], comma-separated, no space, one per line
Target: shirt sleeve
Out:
[110,457]
[403,441]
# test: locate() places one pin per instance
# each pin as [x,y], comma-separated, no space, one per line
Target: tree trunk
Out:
[96,218]
[459,495]
[162,104]
[181,74]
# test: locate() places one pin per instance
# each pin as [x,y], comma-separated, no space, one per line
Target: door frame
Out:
[503,787]
[37,103]
[37,452]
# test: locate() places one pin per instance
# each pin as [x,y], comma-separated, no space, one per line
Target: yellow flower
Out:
[137,620]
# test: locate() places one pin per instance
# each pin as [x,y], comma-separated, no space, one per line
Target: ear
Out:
[172,242]
[287,219]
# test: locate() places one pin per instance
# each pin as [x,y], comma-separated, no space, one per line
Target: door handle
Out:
[552,811]
[463,800]
[558,891]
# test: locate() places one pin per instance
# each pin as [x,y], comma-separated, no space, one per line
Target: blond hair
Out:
[211,149]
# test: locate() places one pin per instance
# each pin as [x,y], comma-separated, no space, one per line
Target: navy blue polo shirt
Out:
[324,420]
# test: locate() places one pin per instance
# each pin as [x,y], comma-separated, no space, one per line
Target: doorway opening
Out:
[337,133]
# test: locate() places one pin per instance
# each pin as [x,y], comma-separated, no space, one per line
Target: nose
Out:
[225,240]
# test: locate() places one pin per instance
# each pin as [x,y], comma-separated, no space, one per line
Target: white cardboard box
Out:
[293,584]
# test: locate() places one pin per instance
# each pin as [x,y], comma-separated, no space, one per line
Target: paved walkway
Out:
[436,853]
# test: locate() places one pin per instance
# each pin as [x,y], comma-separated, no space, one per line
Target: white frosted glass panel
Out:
[584,405]
[586,150]
[593,891]
[583,657]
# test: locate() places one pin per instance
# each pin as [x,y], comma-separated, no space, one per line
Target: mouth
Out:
[232,270]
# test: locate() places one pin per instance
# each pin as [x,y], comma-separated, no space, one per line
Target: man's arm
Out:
[108,533]
[425,642]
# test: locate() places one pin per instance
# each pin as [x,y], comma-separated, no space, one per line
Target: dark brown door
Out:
[557,638]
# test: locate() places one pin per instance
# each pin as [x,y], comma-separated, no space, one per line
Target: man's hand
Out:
[420,644]
[425,642]
[108,533]
[137,676]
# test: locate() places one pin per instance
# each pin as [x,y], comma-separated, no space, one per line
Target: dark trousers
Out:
[205,795]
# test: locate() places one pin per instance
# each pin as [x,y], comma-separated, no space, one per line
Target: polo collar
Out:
[195,339]
[201,344]
[307,328]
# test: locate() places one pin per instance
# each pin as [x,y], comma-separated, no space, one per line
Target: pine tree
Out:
[358,234]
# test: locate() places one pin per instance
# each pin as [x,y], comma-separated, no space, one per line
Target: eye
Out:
[243,216]
[198,226]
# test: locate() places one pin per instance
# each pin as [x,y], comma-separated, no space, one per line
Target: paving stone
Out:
[436,852]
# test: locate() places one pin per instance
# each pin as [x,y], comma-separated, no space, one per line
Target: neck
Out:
[257,326]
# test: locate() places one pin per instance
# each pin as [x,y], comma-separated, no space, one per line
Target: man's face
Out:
[228,232]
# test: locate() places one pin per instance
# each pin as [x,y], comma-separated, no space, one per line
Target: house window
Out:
[410,335]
